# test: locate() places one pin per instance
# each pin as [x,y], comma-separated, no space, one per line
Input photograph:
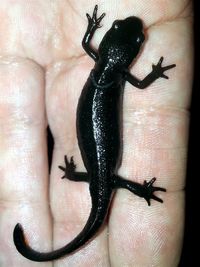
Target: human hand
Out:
[42,71]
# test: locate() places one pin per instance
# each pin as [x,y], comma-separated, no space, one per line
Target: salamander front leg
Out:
[158,71]
[145,190]
[70,173]
[93,25]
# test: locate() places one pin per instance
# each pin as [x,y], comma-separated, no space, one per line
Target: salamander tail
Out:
[95,220]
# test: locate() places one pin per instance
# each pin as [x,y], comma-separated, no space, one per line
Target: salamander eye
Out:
[116,24]
[138,40]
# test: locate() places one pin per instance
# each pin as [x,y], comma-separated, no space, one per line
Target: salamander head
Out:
[122,42]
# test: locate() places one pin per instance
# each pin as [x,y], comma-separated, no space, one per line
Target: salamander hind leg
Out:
[145,190]
[71,174]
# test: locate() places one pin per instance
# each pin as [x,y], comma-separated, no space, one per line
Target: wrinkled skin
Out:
[42,70]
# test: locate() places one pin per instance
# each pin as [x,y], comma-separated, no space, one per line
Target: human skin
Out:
[42,71]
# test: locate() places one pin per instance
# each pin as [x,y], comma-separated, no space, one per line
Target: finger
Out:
[155,132]
[95,11]
[169,67]
[72,160]
[62,168]
[148,202]
[157,198]
[24,168]
[150,183]
[160,61]
[164,76]
[101,17]
[66,160]
[88,17]
[159,189]
[70,200]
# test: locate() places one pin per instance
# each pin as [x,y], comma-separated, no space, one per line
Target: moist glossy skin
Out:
[99,128]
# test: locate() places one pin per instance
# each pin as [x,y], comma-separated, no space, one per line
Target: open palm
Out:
[42,71]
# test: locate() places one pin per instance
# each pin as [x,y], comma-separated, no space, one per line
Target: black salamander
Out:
[99,127]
